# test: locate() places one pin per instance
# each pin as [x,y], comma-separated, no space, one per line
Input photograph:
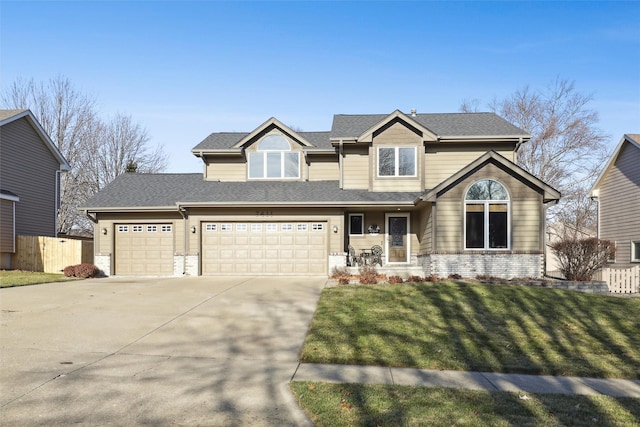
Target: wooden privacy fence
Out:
[622,280]
[50,254]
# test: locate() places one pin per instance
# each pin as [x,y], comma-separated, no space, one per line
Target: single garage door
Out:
[264,248]
[144,249]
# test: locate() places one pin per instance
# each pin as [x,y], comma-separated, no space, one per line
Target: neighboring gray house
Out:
[435,193]
[617,191]
[30,166]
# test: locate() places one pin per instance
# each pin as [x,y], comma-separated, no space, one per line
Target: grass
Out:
[11,278]
[476,327]
[382,405]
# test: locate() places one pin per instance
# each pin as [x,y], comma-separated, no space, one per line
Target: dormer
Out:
[273,151]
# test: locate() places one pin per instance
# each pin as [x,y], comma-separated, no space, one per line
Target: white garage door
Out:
[264,248]
[144,249]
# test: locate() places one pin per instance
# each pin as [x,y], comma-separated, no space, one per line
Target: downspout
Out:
[340,154]
[184,215]
[57,202]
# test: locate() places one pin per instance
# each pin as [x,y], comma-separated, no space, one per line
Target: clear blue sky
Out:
[186,69]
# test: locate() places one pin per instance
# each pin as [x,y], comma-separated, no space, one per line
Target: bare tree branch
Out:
[97,151]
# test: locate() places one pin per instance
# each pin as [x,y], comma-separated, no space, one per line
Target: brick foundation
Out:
[503,265]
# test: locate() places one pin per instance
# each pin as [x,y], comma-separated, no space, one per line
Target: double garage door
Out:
[264,248]
[144,249]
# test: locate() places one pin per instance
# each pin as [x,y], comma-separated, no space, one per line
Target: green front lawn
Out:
[11,278]
[476,327]
[334,405]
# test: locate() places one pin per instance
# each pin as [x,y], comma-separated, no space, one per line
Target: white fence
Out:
[621,280]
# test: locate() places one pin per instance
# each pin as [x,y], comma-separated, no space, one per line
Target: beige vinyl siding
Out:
[355,165]
[425,229]
[526,213]
[397,135]
[324,168]
[226,168]
[619,201]
[443,160]
[104,244]
[28,169]
[7,238]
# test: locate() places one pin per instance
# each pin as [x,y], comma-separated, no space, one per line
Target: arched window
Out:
[274,159]
[486,207]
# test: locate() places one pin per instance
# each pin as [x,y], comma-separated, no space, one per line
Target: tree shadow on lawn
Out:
[331,404]
[538,331]
[491,328]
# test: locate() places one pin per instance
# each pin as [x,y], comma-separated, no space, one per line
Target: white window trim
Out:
[635,257]
[486,204]
[265,169]
[397,163]
[363,230]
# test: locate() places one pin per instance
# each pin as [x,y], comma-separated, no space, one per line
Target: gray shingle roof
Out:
[165,190]
[442,124]
[222,140]
[353,125]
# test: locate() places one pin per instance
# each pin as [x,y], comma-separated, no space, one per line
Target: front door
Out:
[397,238]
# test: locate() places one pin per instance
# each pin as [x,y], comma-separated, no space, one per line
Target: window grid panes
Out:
[152,228]
[137,229]
[226,227]
[241,227]
[256,227]
[286,227]
[317,226]
[487,216]
[123,228]
[274,159]
[272,227]
[211,227]
[303,227]
[165,229]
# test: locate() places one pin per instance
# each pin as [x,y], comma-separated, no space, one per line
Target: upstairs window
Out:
[486,222]
[274,159]
[396,161]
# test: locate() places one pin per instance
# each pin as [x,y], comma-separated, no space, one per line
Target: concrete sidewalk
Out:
[467,380]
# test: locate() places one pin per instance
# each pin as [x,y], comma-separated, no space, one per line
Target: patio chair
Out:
[352,258]
[376,255]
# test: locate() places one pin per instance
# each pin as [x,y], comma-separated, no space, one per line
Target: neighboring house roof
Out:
[8,116]
[630,138]
[446,126]
[166,191]
[550,194]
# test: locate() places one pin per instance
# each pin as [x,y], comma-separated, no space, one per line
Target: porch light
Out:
[335,228]
[104,230]
[193,229]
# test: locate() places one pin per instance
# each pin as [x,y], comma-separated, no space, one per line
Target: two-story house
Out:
[617,190]
[30,167]
[437,192]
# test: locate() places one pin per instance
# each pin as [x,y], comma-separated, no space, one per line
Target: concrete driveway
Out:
[177,351]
